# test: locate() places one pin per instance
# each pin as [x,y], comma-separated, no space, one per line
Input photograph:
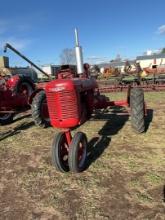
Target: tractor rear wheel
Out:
[40,110]
[137,110]
[6,118]
[78,152]
[60,150]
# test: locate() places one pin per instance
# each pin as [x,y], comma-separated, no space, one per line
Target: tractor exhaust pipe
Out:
[79,55]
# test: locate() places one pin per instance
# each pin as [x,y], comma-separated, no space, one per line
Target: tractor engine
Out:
[70,101]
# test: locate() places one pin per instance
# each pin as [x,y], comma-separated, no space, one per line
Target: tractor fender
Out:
[34,94]
[14,82]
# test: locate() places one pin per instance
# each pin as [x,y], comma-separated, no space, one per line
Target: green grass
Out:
[154,178]
[143,197]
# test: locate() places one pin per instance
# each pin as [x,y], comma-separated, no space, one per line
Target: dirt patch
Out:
[14,203]
[124,178]
[71,203]
[119,200]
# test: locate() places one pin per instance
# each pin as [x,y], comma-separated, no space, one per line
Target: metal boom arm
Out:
[25,58]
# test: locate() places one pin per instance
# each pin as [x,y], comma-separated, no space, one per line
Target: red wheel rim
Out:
[24,90]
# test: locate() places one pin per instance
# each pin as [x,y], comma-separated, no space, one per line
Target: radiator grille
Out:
[62,105]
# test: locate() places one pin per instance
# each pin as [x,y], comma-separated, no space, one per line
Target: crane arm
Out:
[25,58]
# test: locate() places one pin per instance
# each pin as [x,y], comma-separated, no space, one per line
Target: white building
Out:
[51,69]
[118,64]
[151,60]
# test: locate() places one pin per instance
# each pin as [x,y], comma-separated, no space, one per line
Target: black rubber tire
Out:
[74,163]
[58,143]
[6,118]
[36,107]
[137,110]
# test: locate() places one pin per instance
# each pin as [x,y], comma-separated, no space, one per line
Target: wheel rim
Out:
[5,116]
[82,151]
[24,89]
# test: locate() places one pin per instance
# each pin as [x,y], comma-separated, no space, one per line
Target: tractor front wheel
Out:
[78,152]
[60,150]
[40,110]
[137,110]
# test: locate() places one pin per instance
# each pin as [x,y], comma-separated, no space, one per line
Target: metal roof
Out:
[116,63]
[153,56]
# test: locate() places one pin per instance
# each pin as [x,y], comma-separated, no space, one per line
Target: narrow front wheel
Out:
[60,150]
[78,152]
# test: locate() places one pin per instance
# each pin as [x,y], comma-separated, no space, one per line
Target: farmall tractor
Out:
[71,102]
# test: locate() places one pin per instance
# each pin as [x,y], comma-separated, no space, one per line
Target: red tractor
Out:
[16,91]
[71,102]
[14,94]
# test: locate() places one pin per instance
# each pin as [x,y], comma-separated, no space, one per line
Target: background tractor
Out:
[14,94]
[16,91]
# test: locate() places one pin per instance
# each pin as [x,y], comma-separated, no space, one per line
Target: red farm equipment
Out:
[71,102]
[14,94]
[16,91]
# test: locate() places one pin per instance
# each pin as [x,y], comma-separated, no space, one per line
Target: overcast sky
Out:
[42,29]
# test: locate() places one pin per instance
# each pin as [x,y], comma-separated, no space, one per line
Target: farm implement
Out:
[149,79]
[123,88]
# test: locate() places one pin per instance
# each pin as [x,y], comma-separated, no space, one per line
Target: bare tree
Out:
[118,58]
[68,56]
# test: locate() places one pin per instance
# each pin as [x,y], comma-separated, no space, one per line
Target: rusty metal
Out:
[121,88]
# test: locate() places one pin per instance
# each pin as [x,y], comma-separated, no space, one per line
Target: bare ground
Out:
[124,179]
